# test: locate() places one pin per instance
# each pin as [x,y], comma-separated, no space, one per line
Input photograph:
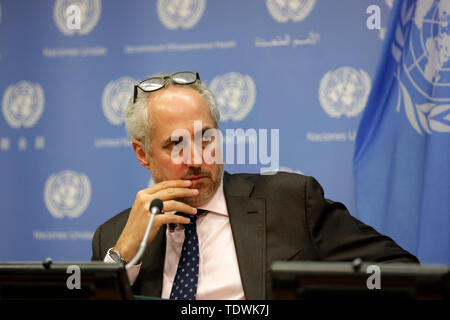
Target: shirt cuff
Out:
[132,273]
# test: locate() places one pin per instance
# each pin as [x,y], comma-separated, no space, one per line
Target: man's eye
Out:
[178,143]
[208,138]
[177,140]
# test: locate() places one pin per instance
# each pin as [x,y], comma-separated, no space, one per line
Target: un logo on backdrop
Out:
[180,13]
[285,10]
[427,68]
[67,194]
[344,92]
[89,11]
[115,98]
[23,104]
[235,95]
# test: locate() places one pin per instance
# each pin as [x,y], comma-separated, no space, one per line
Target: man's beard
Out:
[204,195]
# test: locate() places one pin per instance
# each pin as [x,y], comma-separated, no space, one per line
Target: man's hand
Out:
[167,191]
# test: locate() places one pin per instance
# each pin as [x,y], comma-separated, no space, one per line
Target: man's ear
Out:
[141,155]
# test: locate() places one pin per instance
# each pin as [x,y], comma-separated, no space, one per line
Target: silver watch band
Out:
[115,255]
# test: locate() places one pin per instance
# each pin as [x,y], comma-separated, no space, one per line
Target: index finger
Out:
[168,184]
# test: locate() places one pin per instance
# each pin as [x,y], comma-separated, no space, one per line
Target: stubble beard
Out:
[205,195]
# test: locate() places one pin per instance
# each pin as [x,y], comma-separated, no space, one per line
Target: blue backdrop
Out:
[304,67]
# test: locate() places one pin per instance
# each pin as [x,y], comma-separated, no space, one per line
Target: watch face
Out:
[115,256]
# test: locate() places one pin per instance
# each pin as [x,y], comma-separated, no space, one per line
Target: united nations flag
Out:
[402,157]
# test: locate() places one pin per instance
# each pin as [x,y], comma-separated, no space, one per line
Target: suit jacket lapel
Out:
[247,219]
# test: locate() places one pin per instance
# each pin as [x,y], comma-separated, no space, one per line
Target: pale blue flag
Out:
[402,156]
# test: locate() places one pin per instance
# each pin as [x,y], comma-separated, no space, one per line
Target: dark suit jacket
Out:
[273,217]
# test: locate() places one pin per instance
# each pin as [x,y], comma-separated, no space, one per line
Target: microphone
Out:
[156,207]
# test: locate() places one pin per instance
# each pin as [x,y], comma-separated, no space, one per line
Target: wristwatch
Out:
[115,255]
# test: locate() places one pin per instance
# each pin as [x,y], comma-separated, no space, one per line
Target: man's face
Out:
[173,108]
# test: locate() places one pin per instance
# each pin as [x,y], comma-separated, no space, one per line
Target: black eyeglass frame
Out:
[163,84]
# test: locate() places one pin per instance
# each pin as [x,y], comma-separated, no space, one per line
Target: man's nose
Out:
[196,155]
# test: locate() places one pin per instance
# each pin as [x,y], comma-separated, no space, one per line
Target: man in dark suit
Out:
[250,221]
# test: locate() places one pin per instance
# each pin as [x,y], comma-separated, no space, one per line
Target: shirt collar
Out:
[217,203]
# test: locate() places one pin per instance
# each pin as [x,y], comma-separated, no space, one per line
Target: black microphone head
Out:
[156,206]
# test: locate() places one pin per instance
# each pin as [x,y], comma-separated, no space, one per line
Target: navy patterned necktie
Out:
[185,283]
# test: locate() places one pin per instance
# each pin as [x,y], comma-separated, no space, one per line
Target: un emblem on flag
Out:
[344,92]
[180,13]
[23,104]
[235,95]
[285,10]
[67,194]
[89,13]
[115,98]
[424,64]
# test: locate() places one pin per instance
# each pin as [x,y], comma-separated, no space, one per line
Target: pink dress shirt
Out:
[219,277]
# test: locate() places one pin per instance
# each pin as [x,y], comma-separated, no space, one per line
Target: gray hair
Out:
[138,122]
